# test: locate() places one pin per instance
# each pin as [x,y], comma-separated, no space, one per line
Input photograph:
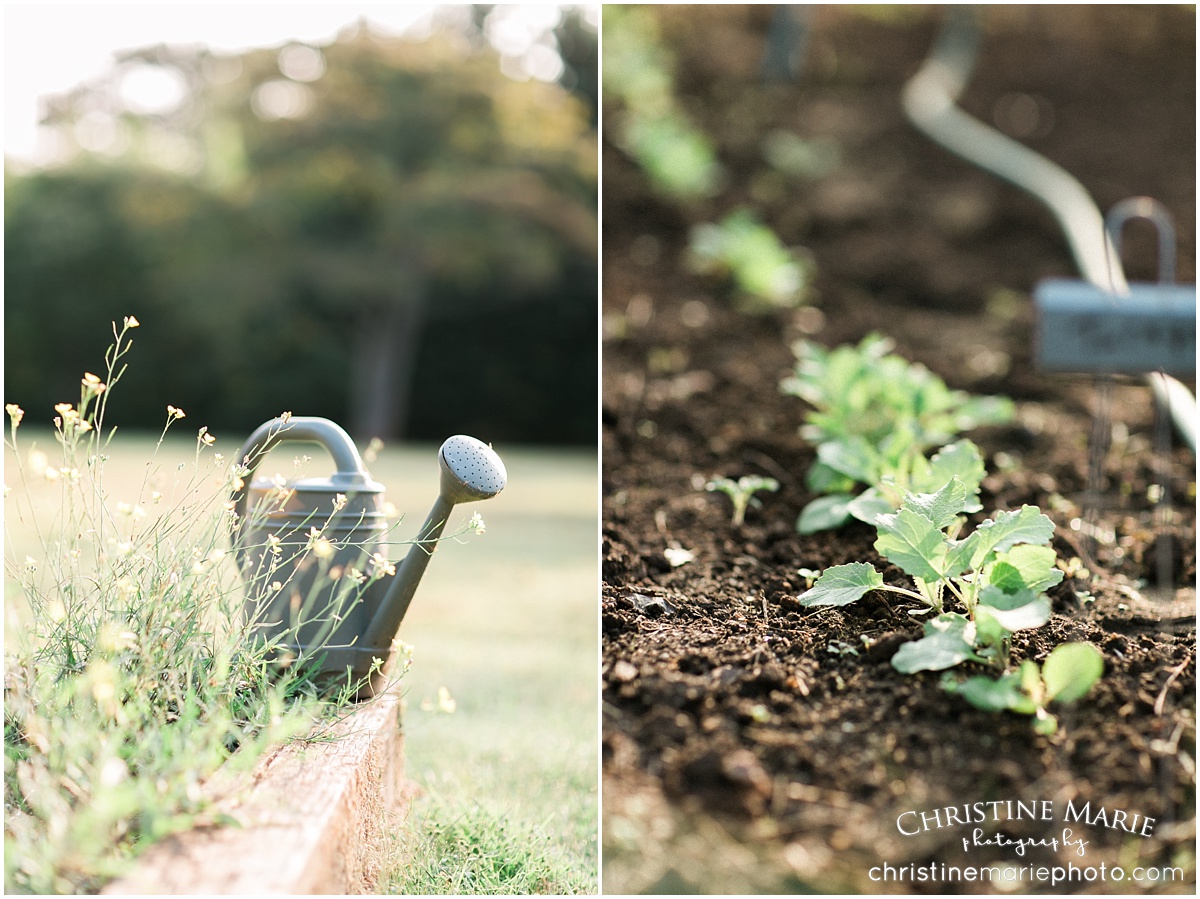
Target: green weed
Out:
[130,675]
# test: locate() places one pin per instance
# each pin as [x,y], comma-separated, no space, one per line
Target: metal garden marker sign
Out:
[1127,329]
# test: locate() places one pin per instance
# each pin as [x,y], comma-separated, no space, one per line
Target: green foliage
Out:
[998,572]
[1068,674]
[413,190]
[130,672]
[679,159]
[874,417]
[765,273]
[742,491]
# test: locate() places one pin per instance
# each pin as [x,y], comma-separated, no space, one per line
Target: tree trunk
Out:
[384,366]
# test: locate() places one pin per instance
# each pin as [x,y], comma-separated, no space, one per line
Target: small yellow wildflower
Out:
[174,412]
[92,384]
[382,565]
[132,322]
[322,548]
[339,502]
[15,412]
[206,438]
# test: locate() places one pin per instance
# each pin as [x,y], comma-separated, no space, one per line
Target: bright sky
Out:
[50,48]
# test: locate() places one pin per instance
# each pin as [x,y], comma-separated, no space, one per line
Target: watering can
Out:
[313,553]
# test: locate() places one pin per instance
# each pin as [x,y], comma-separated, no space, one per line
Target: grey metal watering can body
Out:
[304,547]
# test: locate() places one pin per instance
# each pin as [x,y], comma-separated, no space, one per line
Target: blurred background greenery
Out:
[384,230]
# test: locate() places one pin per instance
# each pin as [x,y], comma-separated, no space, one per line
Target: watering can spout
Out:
[470,471]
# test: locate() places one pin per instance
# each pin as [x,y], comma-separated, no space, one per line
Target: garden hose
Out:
[929,102]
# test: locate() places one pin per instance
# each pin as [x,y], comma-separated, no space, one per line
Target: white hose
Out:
[929,101]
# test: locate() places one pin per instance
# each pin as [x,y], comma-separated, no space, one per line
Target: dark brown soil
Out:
[753,745]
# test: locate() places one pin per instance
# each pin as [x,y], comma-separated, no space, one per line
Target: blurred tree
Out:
[328,207]
[415,174]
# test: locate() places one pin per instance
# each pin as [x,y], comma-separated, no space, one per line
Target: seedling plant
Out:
[765,273]
[678,158]
[741,492]
[875,416]
[998,574]
[1069,672]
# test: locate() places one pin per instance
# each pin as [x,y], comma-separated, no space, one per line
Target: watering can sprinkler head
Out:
[471,470]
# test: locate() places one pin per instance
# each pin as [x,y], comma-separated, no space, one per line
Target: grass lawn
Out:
[505,632]
[501,721]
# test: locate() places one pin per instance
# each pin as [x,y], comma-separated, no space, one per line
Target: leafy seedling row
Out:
[874,416]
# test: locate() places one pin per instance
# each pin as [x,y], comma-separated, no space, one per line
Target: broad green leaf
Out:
[842,584]
[933,653]
[1013,611]
[1071,670]
[910,540]
[1003,694]
[951,623]
[869,505]
[1006,530]
[1025,566]
[853,457]
[990,635]
[983,410]
[961,460]
[941,508]
[824,513]
[823,479]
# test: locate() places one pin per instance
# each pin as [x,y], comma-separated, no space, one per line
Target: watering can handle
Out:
[351,474]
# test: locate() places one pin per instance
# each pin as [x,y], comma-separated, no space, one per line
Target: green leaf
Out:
[913,542]
[934,653]
[947,642]
[869,505]
[983,410]
[1071,670]
[842,584]
[824,513]
[1001,695]
[1026,525]
[853,457]
[1014,611]
[1031,679]
[941,508]
[1025,567]
[823,479]
[961,460]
